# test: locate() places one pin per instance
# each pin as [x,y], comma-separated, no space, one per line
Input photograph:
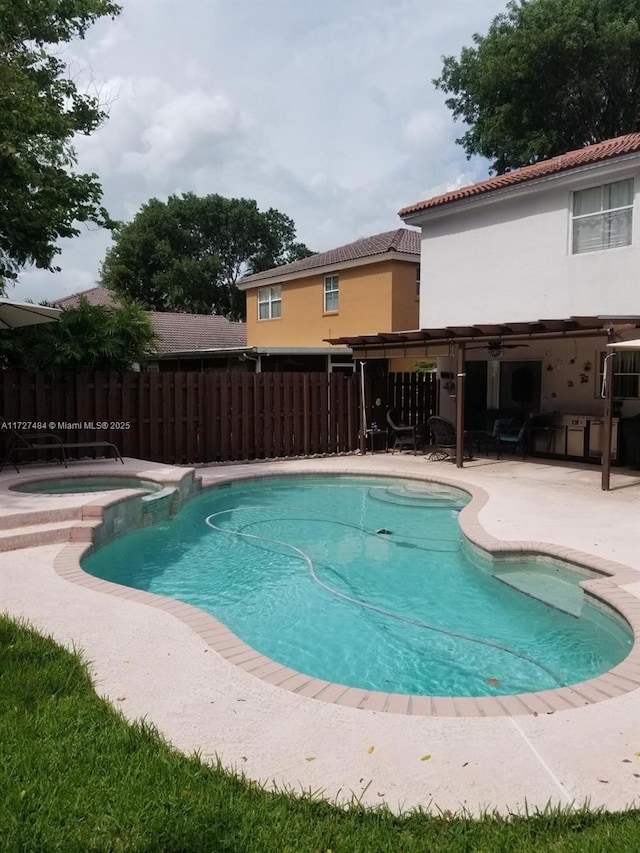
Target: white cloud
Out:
[428,129]
[178,126]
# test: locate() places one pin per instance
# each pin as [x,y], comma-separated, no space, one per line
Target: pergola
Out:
[422,341]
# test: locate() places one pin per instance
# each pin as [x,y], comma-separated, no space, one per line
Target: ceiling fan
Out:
[496,348]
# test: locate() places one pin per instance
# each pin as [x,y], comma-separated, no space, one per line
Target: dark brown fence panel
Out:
[191,417]
[413,396]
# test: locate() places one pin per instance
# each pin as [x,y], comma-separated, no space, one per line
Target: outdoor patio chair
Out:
[401,435]
[16,443]
[444,440]
[512,434]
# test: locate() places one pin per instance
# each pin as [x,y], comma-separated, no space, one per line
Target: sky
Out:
[324,110]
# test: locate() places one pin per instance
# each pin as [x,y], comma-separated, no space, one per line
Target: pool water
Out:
[368,582]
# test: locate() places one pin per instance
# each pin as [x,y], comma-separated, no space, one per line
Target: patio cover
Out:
[420,341]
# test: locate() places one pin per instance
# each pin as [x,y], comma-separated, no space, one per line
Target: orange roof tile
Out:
[599,151]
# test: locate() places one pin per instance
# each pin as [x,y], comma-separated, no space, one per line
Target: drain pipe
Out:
[363,412]
[460,385]
[607,395]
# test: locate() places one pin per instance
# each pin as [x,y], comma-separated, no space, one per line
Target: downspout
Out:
[363,412]
[607,393]
[460,381]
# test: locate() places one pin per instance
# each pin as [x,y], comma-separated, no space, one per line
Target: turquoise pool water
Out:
[367,582]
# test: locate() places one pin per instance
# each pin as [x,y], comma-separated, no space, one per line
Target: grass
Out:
[75,776]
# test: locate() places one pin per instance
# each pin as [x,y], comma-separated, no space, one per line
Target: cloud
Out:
[325,111]
[427,129]
[180,125]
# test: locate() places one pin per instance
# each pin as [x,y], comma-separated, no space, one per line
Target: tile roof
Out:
[400,240]
[94,296]
[183,332]
[177,332]
[596,153]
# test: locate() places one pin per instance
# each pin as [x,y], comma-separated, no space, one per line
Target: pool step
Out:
[34,535]
[549,589]
[13,520]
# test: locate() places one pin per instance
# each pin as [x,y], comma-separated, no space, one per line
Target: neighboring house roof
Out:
[401,241]
[589,155]
[181,332]
[176,332]
[94,296]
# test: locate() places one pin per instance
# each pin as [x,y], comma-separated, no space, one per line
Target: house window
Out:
[602,217]
[418,282]
[331,293]
[626,374]
[269,303]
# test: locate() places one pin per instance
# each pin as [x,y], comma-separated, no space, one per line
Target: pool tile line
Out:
[622,679]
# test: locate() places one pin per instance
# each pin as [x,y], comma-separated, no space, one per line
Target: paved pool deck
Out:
[150,664]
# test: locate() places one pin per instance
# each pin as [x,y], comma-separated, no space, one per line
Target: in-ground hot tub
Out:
[82,485]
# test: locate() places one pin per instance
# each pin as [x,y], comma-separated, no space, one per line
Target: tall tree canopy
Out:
[41,198]
[549,76]
[86,337]
[186,254]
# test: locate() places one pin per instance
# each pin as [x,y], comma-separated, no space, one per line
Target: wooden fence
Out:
[190,417]
[413,396]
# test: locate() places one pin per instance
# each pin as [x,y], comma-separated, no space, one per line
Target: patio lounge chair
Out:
[444,440]
[402,435]
[18,443]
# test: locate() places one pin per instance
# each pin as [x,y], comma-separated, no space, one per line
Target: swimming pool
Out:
[368,582]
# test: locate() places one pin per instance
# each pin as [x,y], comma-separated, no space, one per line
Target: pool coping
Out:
[607,588]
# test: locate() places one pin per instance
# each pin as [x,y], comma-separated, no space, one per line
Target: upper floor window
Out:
[269,303]
[602,217]
[418,282]
[331,293]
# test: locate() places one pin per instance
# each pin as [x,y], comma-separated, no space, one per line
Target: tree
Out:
[86,337]
[550,76]
[41,198]
[187,254]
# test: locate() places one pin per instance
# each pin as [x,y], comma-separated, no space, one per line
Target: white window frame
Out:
[602,215]
[270,298]
[332,290]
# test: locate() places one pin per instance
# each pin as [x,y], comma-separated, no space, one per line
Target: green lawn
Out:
[75,776]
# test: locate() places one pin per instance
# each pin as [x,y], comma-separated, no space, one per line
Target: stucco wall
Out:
[570,376]
[371,300]
[510,260]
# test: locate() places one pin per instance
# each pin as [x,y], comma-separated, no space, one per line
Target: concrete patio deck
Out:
[152,665]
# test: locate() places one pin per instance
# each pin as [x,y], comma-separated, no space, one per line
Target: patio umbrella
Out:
[14,314]
[634,344]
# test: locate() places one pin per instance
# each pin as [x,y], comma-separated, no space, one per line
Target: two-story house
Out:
[530,273]
[370,285]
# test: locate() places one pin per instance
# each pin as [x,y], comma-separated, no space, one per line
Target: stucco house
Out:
[526,277]
[371,284]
